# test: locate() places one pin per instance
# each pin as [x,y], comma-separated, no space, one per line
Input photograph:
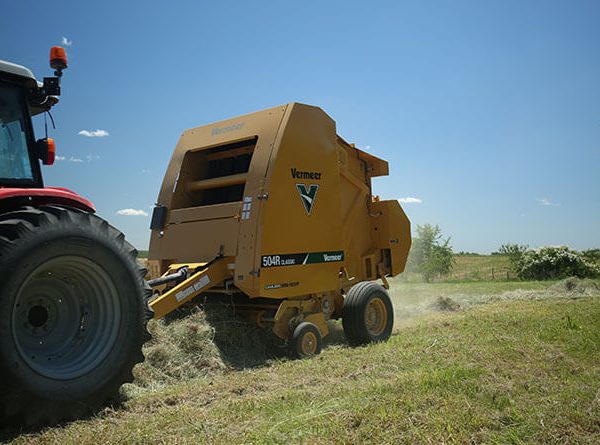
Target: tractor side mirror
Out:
[46,150]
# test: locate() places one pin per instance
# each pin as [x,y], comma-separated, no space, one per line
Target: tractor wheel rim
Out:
[65,317]
[376,317]
[309,343]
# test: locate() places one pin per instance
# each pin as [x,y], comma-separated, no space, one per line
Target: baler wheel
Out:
[368,314]
[73,313]
[305,341]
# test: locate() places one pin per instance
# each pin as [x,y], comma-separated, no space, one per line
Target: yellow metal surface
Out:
[212,183]
[292,312]
[376,317]
[319,320]
[289,201]
[191,266]
[201,281]
[391,229]
[308,343]
[304,156]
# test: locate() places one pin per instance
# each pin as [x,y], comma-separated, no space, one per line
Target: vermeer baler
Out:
[275,210]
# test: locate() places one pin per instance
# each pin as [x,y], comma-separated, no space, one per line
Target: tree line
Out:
[431,256]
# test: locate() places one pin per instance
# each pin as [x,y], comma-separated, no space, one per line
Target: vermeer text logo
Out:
[216,131]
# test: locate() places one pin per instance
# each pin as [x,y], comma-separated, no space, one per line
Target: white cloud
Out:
[410,200]
[131,212]
[367,147]
[94,133]
[69,159]
[66,41]
[546,202]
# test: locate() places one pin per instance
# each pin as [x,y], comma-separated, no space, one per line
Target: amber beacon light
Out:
[58,59]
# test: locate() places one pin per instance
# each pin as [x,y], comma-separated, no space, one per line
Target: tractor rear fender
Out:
[16,197]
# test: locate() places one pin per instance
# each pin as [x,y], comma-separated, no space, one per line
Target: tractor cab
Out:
[21,97]
[73,304]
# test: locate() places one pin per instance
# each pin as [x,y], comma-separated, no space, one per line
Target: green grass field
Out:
[504,366]
[482,267]
[472,268]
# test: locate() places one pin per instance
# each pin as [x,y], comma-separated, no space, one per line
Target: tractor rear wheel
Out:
[73,314]
[368,314]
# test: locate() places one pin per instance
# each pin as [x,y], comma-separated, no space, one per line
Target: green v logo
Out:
[308,196]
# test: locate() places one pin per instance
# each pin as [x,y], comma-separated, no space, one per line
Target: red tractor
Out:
[73,301]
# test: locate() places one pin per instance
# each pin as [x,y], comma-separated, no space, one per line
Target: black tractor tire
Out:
[305,341]
[368,314]
[73,314]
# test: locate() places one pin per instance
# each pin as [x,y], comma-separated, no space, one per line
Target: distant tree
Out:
[514,253]
[431,255]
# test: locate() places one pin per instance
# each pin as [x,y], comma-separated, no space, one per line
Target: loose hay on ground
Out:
[208,339]
[197,342]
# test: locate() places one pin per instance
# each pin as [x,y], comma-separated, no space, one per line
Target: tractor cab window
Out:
[15,163]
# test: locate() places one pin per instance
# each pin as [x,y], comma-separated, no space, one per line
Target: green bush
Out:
[430,255]
[514,252]
[592,255]
[550,263]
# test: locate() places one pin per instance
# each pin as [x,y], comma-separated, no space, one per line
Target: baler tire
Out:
[73,314]
[368,314]
[305,341]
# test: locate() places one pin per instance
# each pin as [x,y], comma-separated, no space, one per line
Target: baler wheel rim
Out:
[376,316]
[309,343]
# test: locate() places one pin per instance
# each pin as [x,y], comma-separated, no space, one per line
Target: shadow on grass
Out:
[195,342]
[243,345]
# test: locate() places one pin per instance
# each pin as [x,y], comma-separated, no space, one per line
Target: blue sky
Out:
[488,112]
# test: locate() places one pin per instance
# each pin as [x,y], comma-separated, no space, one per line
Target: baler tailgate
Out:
[214,274]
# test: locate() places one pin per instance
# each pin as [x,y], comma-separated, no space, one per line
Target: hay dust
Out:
[407,307]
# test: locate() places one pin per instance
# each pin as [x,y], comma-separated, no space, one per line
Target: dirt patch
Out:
[446,304]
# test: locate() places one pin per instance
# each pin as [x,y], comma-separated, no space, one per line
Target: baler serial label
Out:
[297,259]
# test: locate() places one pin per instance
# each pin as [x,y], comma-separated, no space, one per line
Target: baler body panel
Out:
[300,230]
[196,231]
[286,198]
